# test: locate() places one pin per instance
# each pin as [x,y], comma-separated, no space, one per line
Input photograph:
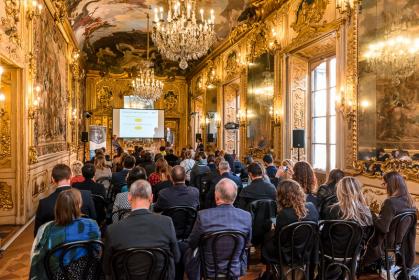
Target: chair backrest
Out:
[75,260]
[202,181]
[297,242]
[221,251]
[262,211]
[140,263]
[400,227]
[100,206]
[340,243]
[183,218]
[120,214]
[106,181]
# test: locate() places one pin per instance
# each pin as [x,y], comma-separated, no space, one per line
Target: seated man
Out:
[225,172]
[88,171]
[179,194]
[119,178]
[141,229]
[223,217]
[258,188]
[61,175]
[270,166]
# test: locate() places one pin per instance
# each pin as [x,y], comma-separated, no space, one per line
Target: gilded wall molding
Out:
[11,20]
[5,136]
[6,199]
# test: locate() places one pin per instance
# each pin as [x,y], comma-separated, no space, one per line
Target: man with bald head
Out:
[141,229]
[179,194]
[224,217]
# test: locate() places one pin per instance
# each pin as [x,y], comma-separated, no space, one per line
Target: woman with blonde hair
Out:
[162,167]
[305,176]
[77,176]
[67,227]
[188,163]
[351,204]
[292,207]
[285,171]
[102,170]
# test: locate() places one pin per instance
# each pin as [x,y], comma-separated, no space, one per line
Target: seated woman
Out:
[164,180]
[350,206]
[68,226]
[398,201]
[154,177]
[77,176]
[327,192]
[286,170]
[292,207]
[121,200]
[304,175]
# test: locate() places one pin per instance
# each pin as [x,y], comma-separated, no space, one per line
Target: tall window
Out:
[323,115]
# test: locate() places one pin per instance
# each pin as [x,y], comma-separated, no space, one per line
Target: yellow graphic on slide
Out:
[138,122]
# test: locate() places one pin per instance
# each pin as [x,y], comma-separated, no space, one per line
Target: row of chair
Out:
[299,246]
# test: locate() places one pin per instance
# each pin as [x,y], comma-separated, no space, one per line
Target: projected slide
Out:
[134,123]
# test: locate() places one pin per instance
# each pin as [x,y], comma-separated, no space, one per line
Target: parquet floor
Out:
[14,263]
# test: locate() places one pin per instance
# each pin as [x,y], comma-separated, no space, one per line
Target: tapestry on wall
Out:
[51,76]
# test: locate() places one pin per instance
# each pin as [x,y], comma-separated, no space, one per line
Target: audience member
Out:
[327,192]
[229,158]
[164,183]
[222,218]
[141,229]
[211,163]
[270,166]
[188,163]
[61,174]
[258,188]
[162,150]
[76,172]
[121,199]
[304,175]
[148,163]
[199,170]
[178,195]
[286,170]
[119,178]
[88,171]
[171,158]
[155,177]
[292,207]
[225,172]
[117,159]
[68,226]
[398,201]
[102,170]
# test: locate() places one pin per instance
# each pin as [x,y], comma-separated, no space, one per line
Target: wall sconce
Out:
[2,101]
[345,106]
[346,5]
[34,10]
[1,73]
[218,121]
[34,108]
[276,116]
[73,117]
[274,44]
[241,117]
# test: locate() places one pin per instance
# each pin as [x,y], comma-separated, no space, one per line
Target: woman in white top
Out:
[102,170]
[188,163]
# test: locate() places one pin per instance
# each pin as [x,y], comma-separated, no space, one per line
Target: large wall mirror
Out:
[260,99]
[388,86]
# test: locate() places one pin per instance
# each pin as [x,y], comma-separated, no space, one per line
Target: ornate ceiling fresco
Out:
[112,33]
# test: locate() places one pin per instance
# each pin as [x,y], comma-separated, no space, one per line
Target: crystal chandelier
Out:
[145,86]
[181,36]
[395,56]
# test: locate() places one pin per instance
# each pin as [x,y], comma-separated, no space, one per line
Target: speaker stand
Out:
[84,152]
[298,154]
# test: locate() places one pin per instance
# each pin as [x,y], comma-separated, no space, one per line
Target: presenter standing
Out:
[115,144]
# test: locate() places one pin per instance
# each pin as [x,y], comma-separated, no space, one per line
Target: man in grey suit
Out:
[224,217]
[141,229]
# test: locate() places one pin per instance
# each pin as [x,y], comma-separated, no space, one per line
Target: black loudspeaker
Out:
[298,138]
[210,137]
[85,136]
[198,136]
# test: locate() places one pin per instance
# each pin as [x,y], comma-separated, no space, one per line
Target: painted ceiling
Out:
[112,33]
